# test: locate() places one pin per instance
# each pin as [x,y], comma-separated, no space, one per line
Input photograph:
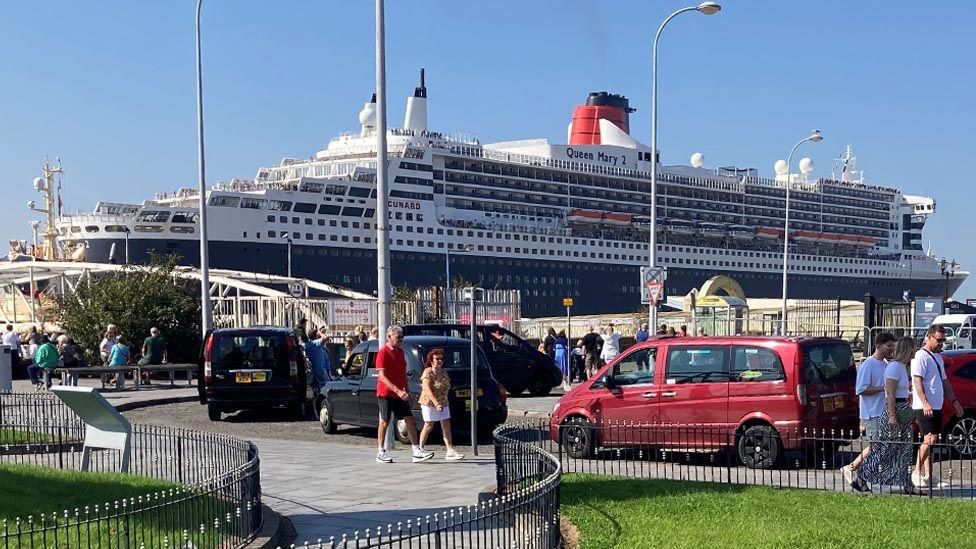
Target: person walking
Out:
[393,397]
[611,344]
[434,404]
[890,459]
[119,356]
[562,357]
[318,359]
[549,343]
[930,387]
[591,352]
[45,361]
[870,389]
[578,361]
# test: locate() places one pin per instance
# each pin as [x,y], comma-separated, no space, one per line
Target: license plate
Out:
[828,404]
[243,377]
[259,377]
[838,402]
[466,393]
[467,405]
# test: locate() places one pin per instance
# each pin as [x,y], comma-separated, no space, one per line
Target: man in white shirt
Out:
[611,345]
[11,339]
[930,387]
[871,400]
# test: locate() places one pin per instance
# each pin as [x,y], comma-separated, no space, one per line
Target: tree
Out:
[135,300]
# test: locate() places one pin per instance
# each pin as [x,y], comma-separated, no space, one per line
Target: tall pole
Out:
[126,233]
[447,274]
[205,305]
[383,290]
[474,376]
[289,257]
[815,136]
[707,8]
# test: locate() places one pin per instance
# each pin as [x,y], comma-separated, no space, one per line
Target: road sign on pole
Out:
[652,277]
[567,302]
[296,289]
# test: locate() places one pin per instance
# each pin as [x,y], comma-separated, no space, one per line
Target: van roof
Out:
[721,340]
[951,318]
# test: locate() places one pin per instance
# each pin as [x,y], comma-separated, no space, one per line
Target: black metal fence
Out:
[524,515]
[215,500]
[759,455]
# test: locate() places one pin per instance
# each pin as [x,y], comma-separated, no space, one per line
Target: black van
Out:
[350,398]
[514,363]
[246,368]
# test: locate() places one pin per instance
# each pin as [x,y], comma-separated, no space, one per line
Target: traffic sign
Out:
[567,302]
[654,291]
[652,277]
[296,289]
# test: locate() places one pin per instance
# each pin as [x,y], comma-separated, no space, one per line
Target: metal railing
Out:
[523,515]
[215,500]
[760,455]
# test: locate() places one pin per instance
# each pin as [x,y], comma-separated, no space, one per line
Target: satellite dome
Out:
[780,167]
[806,165]
[697,160]
[38,183]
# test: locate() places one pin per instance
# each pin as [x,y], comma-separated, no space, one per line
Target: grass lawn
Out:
[613,512]
[9,435]
[28,490]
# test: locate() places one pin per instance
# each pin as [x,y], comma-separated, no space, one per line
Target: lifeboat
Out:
[679,226]
[829,238]
[847,240]
[806,236]
[713,230]
[769,233]
[866,241]
[584,216]
[742,232]
[618,219]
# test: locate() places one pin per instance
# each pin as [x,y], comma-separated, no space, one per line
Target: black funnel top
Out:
[604,99]
[422,90]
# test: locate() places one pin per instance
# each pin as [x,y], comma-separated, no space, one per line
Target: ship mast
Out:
[45,186]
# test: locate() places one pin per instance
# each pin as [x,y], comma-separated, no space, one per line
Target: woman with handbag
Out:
[891,459]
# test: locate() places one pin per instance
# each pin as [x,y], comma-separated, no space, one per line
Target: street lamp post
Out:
[948,269]
[33,285]
[815,137]
[706,8]
[205,305]
[125,232]
[447,272]
[288,240]
[383,289]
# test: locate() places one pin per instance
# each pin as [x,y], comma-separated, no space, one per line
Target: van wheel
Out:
[400,431]
[515,390]
[213,413]
[539,385]
[759,447]
[576,437]
[325,417]
[961,437]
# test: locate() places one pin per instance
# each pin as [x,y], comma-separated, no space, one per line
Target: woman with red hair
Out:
[434,403]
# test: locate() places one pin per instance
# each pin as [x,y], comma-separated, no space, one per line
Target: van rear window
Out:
[828,364]
[455,357]
[248,351]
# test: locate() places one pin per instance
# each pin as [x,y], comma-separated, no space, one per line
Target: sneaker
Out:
[383,457]
[861,486]
[453,455]
[422,456]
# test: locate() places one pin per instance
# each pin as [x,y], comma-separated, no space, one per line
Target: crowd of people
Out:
[42,353]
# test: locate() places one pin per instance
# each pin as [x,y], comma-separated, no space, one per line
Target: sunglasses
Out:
[939,339]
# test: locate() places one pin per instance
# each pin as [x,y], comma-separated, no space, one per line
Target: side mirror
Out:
[608,381]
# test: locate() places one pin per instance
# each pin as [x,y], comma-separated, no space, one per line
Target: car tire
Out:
[759,447]
[324,414]
[577,438]
[539,385]
[960,436]
[213,412]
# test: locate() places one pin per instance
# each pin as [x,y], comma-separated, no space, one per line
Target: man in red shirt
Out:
[393,397]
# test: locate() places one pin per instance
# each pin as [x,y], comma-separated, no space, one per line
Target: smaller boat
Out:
[742,232]
[712,230]
[769,233]
[618,219]
[806,236]
[584,216]
[829,238]
[679,226]
[866,241]
[848,240]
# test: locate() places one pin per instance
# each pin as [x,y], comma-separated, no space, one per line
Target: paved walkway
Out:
[160,392]
[330,489]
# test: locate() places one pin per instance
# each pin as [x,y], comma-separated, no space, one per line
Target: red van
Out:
[756,393]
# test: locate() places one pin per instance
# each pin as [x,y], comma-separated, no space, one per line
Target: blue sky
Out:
[109,86]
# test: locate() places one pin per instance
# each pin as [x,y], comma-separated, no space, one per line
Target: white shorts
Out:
[430,413]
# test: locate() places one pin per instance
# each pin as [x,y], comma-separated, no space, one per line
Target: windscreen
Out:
[828,364]
[455,357]
[249,351]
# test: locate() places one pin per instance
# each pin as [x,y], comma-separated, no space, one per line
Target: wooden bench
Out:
[190,369]
[69,376]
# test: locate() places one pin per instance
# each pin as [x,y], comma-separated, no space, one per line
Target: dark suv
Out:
[351,397]
[246,368]
[514,363]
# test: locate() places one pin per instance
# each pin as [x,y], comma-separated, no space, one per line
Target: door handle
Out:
[649,395]
[669,393]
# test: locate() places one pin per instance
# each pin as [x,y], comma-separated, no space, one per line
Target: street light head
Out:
[709,8]
[816,136]
[34,224]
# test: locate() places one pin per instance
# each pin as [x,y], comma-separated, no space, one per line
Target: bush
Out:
[135,299]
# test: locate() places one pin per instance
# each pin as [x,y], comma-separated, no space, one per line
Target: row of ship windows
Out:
[765,255]
[746,264]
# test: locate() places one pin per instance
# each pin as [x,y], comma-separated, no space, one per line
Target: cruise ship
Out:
[550,220]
